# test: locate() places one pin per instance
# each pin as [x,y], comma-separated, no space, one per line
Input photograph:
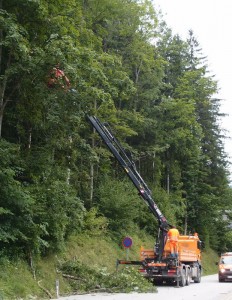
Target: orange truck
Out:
[183,269]
[156,264]
[180,270]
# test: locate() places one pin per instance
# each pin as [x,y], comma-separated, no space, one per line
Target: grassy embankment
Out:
[19,281]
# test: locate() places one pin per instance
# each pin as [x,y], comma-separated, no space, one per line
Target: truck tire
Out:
[182,278]
[188,277]
[158,282]
[198,278]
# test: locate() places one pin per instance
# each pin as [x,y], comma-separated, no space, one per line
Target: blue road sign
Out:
[127,242]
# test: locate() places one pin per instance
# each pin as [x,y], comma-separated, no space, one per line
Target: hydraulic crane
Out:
[129,167]
[156,264]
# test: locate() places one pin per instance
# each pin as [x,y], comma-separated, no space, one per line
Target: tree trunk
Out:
[137,72]
[91,183]
[3,102]
[168,181]
[1,117]
[1,110]
[92,165]
[185,224]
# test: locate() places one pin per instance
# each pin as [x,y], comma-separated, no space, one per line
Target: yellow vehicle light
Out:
[222,270]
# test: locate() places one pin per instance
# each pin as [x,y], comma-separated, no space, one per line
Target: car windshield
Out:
[226,260]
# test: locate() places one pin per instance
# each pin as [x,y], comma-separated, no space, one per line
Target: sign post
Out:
[57,288]
[127,243]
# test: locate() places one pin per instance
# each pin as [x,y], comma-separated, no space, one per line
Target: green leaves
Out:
[15,201]
[84,278]
[118,202]
[152,87]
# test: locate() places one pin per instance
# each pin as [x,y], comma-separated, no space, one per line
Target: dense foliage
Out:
[126,67]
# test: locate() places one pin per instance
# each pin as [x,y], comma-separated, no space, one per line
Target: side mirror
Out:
[200,245]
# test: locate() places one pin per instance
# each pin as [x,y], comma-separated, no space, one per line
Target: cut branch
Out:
[45,290]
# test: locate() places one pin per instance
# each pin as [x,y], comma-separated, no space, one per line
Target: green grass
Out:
[103,252]
[17,282]
[16,279]
[209,259]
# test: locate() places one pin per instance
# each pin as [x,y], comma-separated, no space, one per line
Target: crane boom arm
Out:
[130,169]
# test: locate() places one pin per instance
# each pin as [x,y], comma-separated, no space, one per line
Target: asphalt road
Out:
[208,289]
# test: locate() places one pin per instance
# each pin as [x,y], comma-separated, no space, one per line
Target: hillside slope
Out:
[43,279]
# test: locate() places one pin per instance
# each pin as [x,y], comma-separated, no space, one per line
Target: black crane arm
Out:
[129,167]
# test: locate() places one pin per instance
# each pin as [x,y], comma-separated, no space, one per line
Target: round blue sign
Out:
[127,242]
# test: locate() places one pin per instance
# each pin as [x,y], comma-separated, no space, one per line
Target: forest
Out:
[125,66]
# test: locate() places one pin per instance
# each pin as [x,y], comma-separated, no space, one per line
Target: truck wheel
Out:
[198,278]
[188,277]
[182,278]
[157,282]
